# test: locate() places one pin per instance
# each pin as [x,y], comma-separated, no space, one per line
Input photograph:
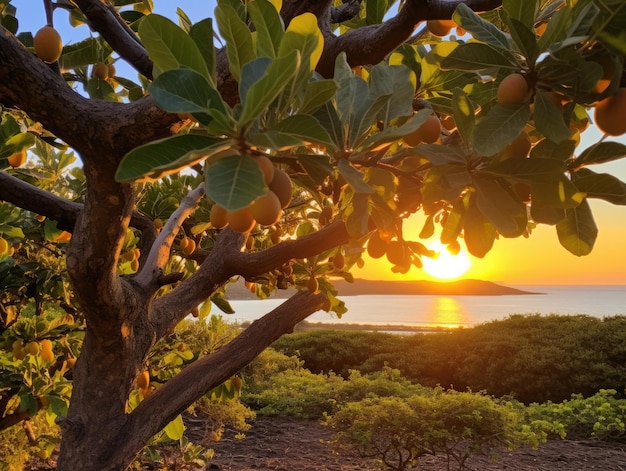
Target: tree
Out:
[338,97]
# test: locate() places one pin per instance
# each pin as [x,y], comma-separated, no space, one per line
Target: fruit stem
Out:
[49,7]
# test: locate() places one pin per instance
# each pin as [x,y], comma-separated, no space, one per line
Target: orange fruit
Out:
[241,220]
[48,44]
[267,167]
[440,27]
[266,209]
[513,90]
[282,186]
[520,147]
[17,159]
[610,114]
[217,216]
[100,71]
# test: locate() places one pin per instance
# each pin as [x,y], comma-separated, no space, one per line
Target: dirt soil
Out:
[288,444]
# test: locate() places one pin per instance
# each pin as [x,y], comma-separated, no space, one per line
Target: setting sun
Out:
[446,266]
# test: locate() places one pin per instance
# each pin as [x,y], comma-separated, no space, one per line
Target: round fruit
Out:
[610,114]
[282,186]
[158,224]
[267,167]
[395,252]
[339,261]
[237,383]
[428,132]
[520,147]
[241,220]
[143,380]
[218,216]
[513,90]
[134,265]
[48,44]
[266,209]
[100,71]
[32,348]
[111,71]
[376,247]
[18,159]
[440,27]
[4,246]
[46,350]
[190,247]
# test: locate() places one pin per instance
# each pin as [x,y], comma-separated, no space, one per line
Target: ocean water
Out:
[455,311]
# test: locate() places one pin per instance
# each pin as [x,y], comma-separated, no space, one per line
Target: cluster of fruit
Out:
[103,71]
[265,210]
[132,256]
[43,348]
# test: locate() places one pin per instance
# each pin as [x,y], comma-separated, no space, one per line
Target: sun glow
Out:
[446,266]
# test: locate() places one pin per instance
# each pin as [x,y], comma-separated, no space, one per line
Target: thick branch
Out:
[370,44]
[103,18]
[89,126]
[180,392]
[29,197]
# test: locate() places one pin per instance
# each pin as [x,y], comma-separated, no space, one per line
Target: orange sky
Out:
[541,259]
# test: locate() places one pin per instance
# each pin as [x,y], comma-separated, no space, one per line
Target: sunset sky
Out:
[537,260]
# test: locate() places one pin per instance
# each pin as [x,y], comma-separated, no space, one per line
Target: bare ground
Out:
[288,444]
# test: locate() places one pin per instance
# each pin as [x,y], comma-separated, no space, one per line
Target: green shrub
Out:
[399,431]
[600,416]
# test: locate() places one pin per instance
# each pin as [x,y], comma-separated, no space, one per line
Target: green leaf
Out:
[556,192]
[454,223]
[463,113]
[329,119]
[317,93]
[158,158]
[354,177]
[11,231]
[578,231]
[202,34]
[305,128]
[84,53]
[523,11]
[268,26]
[251,73]
[357,220]
[222,304]
[234,182]
[478,233]
[480,29]
[549,120]
[185,91]
[601,185]
[497,130]
[238,37]
[442,155]
[375,11]
[17,143]
[505,212]
[175,429]
[548,149]
[260,95]
[392,81]
[525,40]
[394,133]
[170,47]
[101,89]
[602,152]
[317,167]
[475,57]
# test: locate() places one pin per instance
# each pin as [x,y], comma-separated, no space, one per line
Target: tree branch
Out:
[370,44]
[152,271]
[104,19]
[163,405]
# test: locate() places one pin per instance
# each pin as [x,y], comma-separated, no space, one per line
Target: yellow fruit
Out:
[111,70]
[513,90]
[18,159]
[190,247]
[70,362]
[440,27]
[46,350]
[4,246]
[428,132]
[195,312]
[282,186]
[48,44]
[32,348]
[127,256]
[541,28]
[395,252]
[376,246]
[610,114]
[143,380]
[158,224]
[134,265]
[313,285]
[241,220]
[448,123]
[266,209]
[454,247]
[237,383]
[184,242]
[520,147]
[100,71]
[218,216]
[267,167]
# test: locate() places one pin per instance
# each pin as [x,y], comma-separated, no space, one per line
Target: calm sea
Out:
[454,311]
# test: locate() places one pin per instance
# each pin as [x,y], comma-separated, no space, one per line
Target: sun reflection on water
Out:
[448,312]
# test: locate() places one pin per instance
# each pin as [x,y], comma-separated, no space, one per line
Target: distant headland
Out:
[378,287]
